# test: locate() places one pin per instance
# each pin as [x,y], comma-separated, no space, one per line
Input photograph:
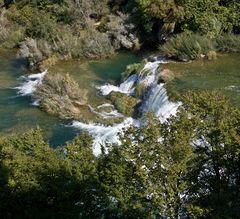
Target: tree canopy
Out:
[187,167]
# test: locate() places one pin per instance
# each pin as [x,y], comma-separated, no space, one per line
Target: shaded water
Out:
[16,112]
[18,115]
[222,74]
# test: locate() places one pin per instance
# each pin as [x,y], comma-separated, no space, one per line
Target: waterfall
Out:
[30,84]
[106,115]
[103,135]
[157,102]
[126,87]
[149,73]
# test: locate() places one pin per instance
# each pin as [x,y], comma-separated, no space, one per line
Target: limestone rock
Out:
[121,32]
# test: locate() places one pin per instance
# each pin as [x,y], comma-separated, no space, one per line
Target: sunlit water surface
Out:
[222,74]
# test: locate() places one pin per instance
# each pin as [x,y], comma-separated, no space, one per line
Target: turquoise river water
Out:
[18,115]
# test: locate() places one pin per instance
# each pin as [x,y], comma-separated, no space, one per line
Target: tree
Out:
[215,176]
[146,176]
[40,182]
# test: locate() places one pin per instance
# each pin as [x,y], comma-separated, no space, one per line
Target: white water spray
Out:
[106,115]
[157,102]
[31,83]
[126,87]
[103,135]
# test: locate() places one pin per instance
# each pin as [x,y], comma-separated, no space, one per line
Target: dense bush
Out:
[43,27]
[187,46]
[90,44]
[60,95]
[123,103]
[93,29]
[228,43]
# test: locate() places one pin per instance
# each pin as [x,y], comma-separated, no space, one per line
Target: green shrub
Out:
[139,90]
[133,69]
[123,103]
[90,44]
[43,27]
[228,43]
[187,47]
[13,39]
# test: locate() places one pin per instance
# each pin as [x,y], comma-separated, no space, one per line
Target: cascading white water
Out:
[30,84]
[126,87]
[147,76]
[106,115]
[157,102]
[103,135]
[149,73]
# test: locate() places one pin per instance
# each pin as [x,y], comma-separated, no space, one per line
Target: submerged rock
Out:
[211,55]
[166,75]
[61,95]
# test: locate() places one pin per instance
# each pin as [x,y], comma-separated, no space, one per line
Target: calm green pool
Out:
[222,74]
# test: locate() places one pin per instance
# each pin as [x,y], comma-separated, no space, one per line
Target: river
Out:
[17,114]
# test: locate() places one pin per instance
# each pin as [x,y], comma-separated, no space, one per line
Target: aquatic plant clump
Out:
[187,47]
[61,95]
[228,43]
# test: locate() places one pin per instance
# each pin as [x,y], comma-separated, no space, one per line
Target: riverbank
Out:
[47,31]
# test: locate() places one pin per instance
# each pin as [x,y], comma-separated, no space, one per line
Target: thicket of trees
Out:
[188,167]
[94,29]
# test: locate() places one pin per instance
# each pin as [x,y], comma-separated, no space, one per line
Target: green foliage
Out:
[139,90]
[34,3]
[42,27]
[123,103]
[205,16]
[187,46]
[14,37]
[65,25]
[156,9]
[40,182]
[216,142]
[228,43]
[133,69]
[189,164]
[149,176]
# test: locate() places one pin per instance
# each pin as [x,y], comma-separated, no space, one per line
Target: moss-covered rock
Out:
[123,103]
[61,95]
